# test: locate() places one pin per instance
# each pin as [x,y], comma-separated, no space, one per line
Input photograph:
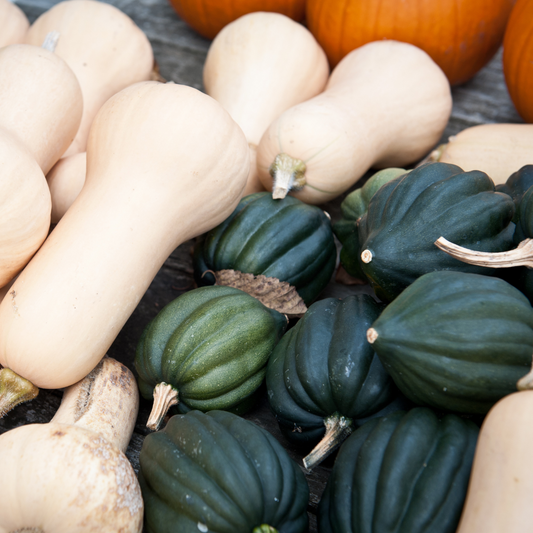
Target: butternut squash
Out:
[496,149]
[165,163]
[257,67]
[104,48]
[71,475]
[25,206]
[40,101]
[386,104]
[501,484]
[65,180]
[13,23]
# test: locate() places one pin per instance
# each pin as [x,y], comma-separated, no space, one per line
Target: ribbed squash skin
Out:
[284,239]
[212,344]
[402,473]
[515,186]
[456,341]
[406,216]
[220,473]
[325,366]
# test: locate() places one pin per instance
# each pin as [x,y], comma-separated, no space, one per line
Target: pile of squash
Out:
[107,169]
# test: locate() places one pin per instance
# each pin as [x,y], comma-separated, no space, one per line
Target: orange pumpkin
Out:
[461,36]
[208,17]
[518,58]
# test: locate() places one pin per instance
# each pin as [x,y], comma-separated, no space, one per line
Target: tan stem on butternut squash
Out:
[259,66]
[165,163]
[288,174]
[14,390]
[13,23]
[120,56]
[386,104]
[71,475]
[522,255]
[165,396]
[496,149]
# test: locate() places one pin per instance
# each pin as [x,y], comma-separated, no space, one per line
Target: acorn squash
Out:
[402,473]
[284,239]
[205,350]
[403,221]
[456,341]
[220,473]
[324,375]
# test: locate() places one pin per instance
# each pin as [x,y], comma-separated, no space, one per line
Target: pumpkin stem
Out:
[288,175]
[14,390]
[338,428]
[264,528]
[526,382]
[165,396]
[522,255]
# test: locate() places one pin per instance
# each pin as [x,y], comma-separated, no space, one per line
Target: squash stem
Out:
[526,382]
[338,428]
[288,174]
[264,528]
[165,396]
[14,390]
[522,255]
[50,41]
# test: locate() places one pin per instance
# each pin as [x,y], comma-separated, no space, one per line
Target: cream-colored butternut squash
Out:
[40,101]
[257,67]
[71,475]
[25,206]
[165,163]
[104,48]
[386,104]
[496,149]
[65,180]
[13,23]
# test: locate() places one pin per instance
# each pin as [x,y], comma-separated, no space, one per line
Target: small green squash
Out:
[220,473]
[283,239]
[402,473]
[353,207]
[456,341]
[324,375]
[406,217]
[207,349]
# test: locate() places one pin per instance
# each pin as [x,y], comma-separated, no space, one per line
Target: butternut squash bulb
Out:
[257,67]
[40,100]
[461,36]
[165,163]
[104,48]
[25,206]
[386,104]
[208,17]
[71,475]
[13,23]
[518,58]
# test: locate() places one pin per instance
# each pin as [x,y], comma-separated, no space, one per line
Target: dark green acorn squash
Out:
[456,341]
[219,473]
[353,207]
[324,374]
[283,239]
[211,346]
[402,473]
[405,218]
[515,186]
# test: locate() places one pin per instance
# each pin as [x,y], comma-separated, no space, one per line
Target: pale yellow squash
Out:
[105,49]
[25,206]
[40,101]
[13,23]
[496,149]
[257,67]
[71,475]
[165,163]
[386,104]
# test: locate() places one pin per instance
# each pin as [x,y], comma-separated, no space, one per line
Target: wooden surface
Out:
[180,54]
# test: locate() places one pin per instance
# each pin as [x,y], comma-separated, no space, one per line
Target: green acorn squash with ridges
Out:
[220,473]
[402,473]
[283,239]
[324,374]
[456,341]
[406,217]
[211,345]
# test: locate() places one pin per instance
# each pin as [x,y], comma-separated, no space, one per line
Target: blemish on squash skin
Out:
[58,433]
